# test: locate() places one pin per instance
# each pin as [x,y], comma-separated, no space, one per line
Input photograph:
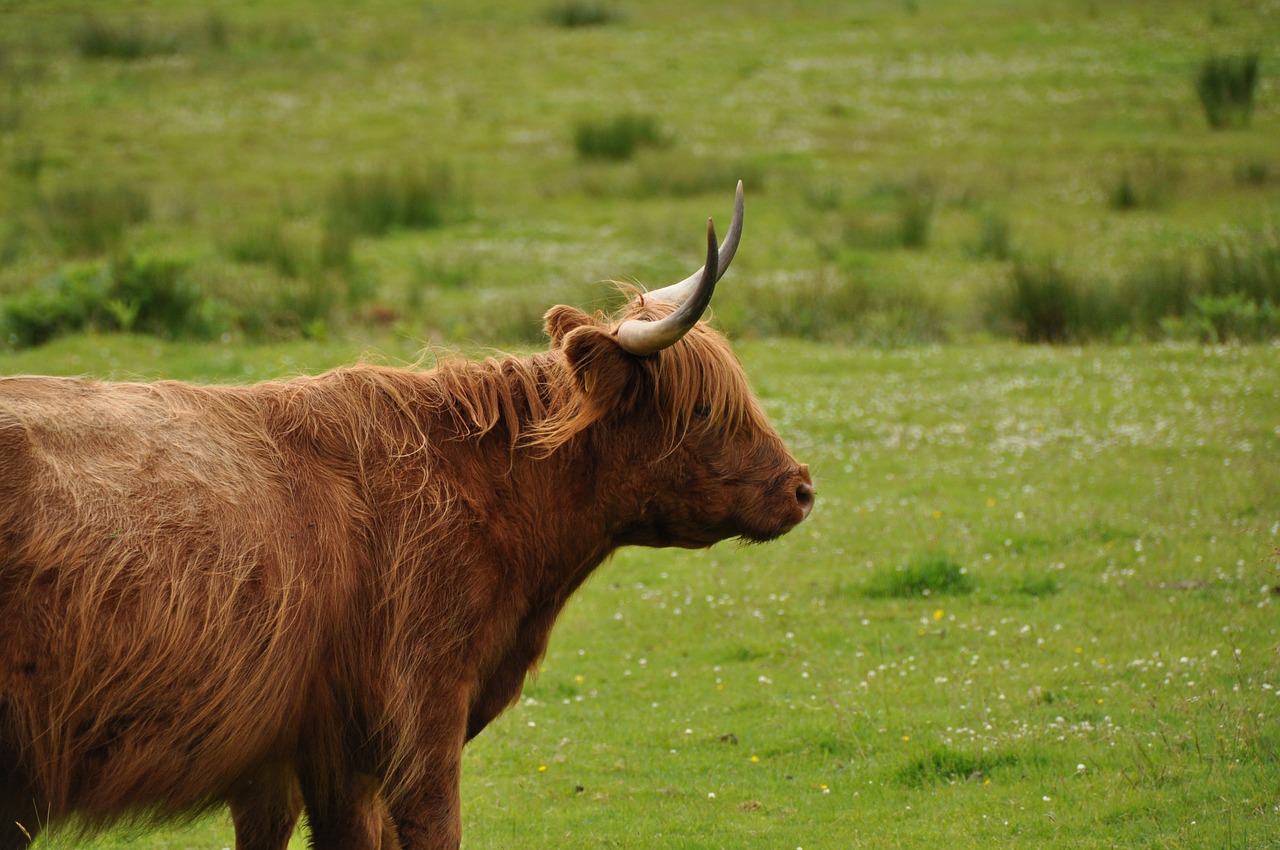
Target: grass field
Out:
[1036,603]
[1035,607]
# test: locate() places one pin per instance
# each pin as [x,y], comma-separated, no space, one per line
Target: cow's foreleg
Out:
[265,809]
[349,815]
[429,815]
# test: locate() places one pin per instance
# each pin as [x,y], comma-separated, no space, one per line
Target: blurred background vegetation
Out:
[1050,171]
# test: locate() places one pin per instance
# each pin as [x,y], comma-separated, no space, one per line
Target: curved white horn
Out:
[642,336]
[676,293]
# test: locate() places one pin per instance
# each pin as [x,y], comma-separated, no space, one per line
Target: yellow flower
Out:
[542,768]
[755,759]
[937,615]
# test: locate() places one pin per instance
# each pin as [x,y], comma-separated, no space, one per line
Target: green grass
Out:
[164,127]
[905,162]
[1111,676]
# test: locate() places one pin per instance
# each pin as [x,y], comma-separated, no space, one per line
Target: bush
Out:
[157,297]
[61,304]
[1225,85]
[1235,317]
[618,138]
[146,295]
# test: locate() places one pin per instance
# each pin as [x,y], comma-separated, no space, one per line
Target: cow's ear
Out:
[562,319]
[600,367]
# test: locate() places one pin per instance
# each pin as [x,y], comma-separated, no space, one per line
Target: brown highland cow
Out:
[312,593]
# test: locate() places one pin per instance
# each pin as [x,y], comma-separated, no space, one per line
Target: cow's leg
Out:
[429,817]
[348,815]
[265,809]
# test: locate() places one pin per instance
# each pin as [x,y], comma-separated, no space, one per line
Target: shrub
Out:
[1225,85]
[157,297]
[374,203]
[576,14]
[61,304]
[925,575]
[1235,316]
[143,294]
[92,219]
[617,138]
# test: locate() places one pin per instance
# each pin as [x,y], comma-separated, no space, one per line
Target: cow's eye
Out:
[702,409]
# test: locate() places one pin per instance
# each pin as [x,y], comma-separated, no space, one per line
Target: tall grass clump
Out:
[1146,183]
[838,305]
[577,14]
[1225,86]
[92,219]
[948,765]
[1043,302]
[933,573]
[684,176]
[375,203]
[98,38]
[915,218]
[291,254]
[618,138]
[994,241]
[1157,290]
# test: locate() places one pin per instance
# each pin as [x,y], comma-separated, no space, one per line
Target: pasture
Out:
[1036,604]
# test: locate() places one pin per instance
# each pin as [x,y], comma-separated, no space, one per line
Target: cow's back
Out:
[168,568]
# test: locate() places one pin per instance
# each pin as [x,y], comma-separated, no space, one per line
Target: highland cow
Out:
[311,593]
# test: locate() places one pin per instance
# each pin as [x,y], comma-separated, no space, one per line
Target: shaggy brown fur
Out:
[314,592]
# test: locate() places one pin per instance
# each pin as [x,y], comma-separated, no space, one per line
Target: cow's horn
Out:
[642,336]
[678,293]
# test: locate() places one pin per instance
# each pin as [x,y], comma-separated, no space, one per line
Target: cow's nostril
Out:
[804,495]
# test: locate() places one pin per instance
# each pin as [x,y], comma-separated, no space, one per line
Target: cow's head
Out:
[703,462]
